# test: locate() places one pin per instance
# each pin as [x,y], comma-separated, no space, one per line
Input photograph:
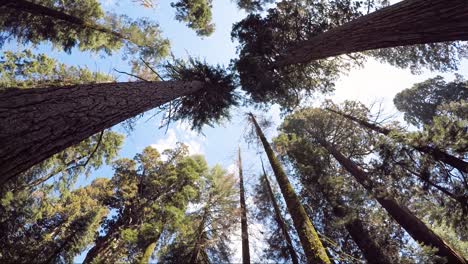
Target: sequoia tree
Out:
[47,126]
[243,208]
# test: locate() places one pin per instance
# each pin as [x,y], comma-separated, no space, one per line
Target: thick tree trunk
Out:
[436,153]
[280,221]
[38,123]
[40,10]
[313,248]
[371,251]
[244,227]
[402,215]
[408,22]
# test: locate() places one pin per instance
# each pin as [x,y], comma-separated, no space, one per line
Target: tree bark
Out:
[402,215]
[313,248]
[244,227]
[371,251]
[280,221]
[40,10]
[436,153]
[149,249]
[408,22]
[38,123]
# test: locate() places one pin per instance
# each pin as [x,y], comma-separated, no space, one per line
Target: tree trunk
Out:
[371,251]
[402,215]
[149,249]
[280,221]
[436,153]
[313,248]
[244,228]
[37,123]
[408,22]
[40,10]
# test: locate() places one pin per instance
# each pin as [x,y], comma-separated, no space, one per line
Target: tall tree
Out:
[264,198]
[243,208]
[310,123]
[82,24]
[198,92]
[322,182]
[313,248]
[286,53]
[146,199]
[435,152]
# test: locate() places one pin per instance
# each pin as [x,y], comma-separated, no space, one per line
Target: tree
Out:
[197,15]
[205,237]
[198,92]
[422,102]
[243,208]
[146,199]
[311,123]
[435,152]
[82,24]
[313,248]
[342,204]
[50,229]
[280,243]
[286,54]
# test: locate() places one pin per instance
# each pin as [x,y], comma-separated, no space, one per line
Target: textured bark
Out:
[402,215]
[38,123]
[244,227]
[408,22]
[313,248]
[436,153]
[371,251]
[40,10]
[280,221]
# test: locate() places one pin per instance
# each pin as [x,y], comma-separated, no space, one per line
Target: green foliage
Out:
[422,102]
[205,238]
[265,39]
[81,24]
[197,15]
[253,5]
[208,105]
[25,69]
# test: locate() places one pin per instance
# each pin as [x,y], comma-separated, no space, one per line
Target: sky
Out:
[373,82]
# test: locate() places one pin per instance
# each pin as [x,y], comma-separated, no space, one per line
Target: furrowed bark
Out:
[280,221]
[244,227]
[38,123]
[402,215]
[408,22]
[436,153]
[40,10]
[313,247]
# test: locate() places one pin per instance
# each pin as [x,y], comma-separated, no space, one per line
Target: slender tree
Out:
[243,208]
[279,218]
[48,126]
[313,248]
[427,149]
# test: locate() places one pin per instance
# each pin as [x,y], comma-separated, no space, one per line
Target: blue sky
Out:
[374,81]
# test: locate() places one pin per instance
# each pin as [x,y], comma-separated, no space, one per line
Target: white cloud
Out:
[173,136]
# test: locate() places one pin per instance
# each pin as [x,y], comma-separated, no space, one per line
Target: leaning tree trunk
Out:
[408,22]
[40,10]
[280,221]
[371,251]
[402,215]
[37,123]
[436,153]
[244,227]
[148,250]
[313,248]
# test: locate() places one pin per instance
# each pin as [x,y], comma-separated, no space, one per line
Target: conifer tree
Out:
[311,244]
[243,208]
